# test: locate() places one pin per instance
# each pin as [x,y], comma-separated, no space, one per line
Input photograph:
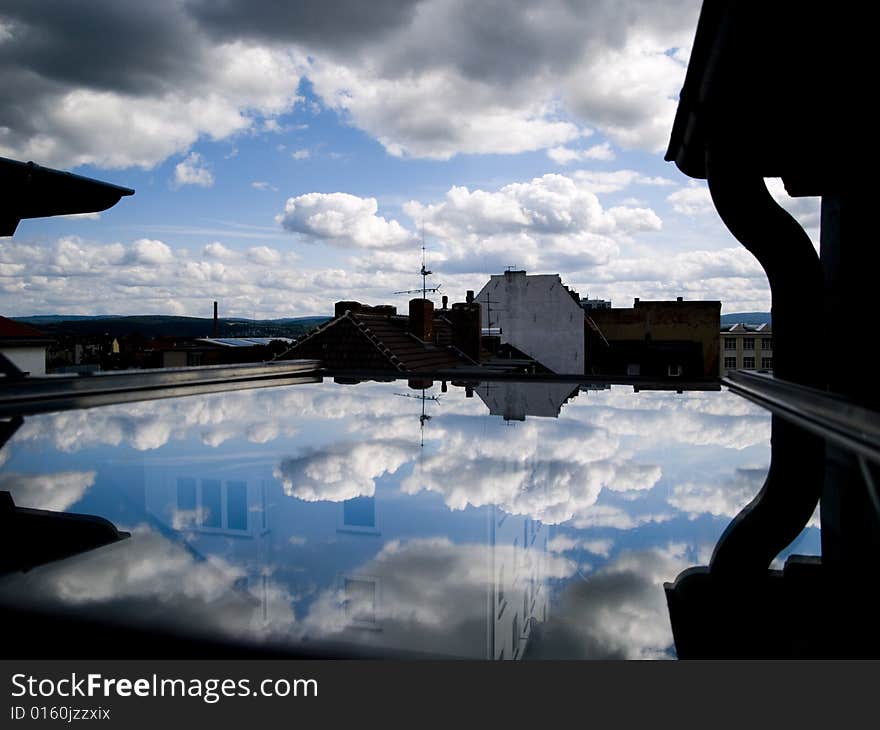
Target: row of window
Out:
[748,343]
[748,363]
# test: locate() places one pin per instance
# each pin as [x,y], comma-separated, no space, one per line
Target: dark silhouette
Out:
[767,94]
[32,537]
[28,190]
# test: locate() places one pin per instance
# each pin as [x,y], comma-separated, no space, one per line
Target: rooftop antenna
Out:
[424,417]
[489,302]
[425,273]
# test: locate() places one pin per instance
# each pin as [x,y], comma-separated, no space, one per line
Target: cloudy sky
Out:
[286,155]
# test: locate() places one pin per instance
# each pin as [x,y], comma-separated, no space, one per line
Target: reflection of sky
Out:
[278,514]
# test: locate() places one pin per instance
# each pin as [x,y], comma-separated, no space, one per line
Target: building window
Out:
[213,504]
[193,359]
[730,343]
[749,363]
[729,363]
[766,343]
[766,363]
[748,343]
[360,601]
[674,371]
[359,515]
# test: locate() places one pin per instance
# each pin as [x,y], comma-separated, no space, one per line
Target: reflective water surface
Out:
[501,520]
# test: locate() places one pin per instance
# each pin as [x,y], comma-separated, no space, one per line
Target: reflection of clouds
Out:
[550,491]
[431,588]
[722,499]
[694,418]
[56,491]
[341,472]
[551,471]
[725,498]
[565,543]
[150,578]
[606,515]
[258,415]
[618,613]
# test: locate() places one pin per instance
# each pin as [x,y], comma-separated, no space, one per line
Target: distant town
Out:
[518,323]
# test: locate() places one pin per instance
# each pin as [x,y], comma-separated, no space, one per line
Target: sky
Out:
[289,155]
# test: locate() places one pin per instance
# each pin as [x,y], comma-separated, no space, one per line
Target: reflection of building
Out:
[24,346]
[538,315]
[659,339]
[519,594]
[515,401]
[746,347]
[472,593]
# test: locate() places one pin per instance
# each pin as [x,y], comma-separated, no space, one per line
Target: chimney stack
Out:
[470,296]
[467,328]
[215,319]
[445,302]
[421,319]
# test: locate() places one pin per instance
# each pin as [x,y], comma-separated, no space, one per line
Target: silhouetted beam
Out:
[32,537]
[28,190]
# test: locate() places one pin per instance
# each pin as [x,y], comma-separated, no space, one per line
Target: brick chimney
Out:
[466,328]
[421,319]
[341,308]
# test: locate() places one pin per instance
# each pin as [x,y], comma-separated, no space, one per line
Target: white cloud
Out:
[344,471]
[343,219]
[301,154]
[53,491]
[193,171]
[552,221]
[565,155]
[262,185]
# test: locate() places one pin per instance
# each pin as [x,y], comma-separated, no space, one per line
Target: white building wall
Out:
[538,316]
[29,359]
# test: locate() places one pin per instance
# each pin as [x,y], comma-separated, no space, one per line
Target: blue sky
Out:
[286,156]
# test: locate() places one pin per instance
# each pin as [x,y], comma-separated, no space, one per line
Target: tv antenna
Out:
[425,273]
[424,417]
[489,302]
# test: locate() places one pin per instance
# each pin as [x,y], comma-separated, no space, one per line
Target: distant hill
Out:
[747,318]
[169,326]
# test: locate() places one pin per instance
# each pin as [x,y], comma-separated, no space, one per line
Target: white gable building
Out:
[538,315]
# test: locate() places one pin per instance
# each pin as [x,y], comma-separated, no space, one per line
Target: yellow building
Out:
[746,347]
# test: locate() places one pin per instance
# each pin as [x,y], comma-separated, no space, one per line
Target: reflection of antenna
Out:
[424,418]
[425,273]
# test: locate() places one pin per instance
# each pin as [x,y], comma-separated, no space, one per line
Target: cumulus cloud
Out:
[193,171]
[53,491]
[725,498]
[344,220]
[619,613]
[343,471]
[433,595]
[263,185]
[152,580]
[552,472]
[551,221]
[428,79]
[117,86]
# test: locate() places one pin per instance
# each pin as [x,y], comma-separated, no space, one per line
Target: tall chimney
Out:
[466,328]
[421,319]
[215,319]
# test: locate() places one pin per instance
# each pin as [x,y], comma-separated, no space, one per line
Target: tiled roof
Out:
[372,341]
[11,329]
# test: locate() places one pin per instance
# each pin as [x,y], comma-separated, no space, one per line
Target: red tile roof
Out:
[376,342]
[10,329]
